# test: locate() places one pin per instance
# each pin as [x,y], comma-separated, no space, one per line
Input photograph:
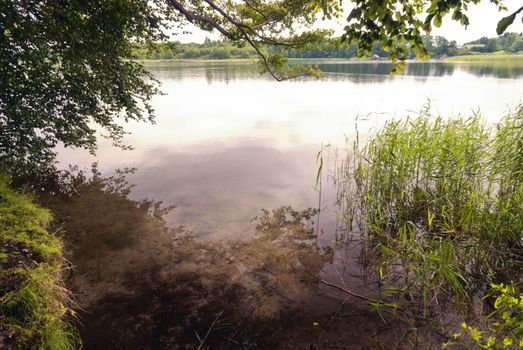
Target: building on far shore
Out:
[472,46]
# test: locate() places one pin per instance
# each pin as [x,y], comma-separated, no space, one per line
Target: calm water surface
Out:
[228,141]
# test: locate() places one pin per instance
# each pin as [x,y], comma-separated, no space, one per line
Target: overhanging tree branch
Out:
[197,18]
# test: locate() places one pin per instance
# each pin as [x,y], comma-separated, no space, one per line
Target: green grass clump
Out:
[439,204]
[35,306]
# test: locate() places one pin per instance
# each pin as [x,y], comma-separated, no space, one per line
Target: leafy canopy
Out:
[398,25]
[63,75]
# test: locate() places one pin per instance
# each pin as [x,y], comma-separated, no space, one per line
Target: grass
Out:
[35,306]
[501,57]
[439,203]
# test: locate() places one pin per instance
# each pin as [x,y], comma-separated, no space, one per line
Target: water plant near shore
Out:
[504,325]
[439,203]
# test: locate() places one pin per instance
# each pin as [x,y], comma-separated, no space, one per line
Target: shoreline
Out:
[510,59]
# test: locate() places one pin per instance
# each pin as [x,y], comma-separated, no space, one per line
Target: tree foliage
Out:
[220,49]
[509,42]
[400,25]
[224,49]
[507,21]
[263,23]
[62,72]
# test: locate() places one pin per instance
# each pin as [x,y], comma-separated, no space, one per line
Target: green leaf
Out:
[437,21]
[506,21]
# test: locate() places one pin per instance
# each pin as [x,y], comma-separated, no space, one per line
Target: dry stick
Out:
[209,330]
[231,340]
[363,297]
[350,292]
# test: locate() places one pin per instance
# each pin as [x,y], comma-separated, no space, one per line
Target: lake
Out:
[229,142]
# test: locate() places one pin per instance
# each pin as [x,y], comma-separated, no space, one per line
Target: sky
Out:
[483,20]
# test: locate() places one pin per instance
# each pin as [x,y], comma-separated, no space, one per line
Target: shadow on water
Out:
[143,285]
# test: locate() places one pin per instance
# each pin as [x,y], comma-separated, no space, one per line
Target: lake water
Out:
[229,142]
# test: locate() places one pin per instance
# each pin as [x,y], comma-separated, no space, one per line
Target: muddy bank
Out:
[143,285]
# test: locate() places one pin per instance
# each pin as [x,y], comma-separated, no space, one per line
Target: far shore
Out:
[496,57]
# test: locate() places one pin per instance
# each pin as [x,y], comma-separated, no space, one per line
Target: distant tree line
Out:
[437,46]
[508,42]
[218,49]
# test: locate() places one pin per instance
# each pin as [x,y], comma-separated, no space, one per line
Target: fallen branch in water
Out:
[363,297]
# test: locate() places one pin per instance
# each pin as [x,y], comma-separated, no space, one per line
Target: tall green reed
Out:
[439,203]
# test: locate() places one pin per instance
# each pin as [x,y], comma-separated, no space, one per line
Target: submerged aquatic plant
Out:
[439,203]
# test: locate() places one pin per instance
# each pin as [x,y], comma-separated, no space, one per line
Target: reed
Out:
[439,203]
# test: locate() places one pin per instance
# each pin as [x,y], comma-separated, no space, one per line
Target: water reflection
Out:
[219,191]
[504,70]
[142,285]
[228,143]
[383,69]
[226,149]
[354,71]
[224,72]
